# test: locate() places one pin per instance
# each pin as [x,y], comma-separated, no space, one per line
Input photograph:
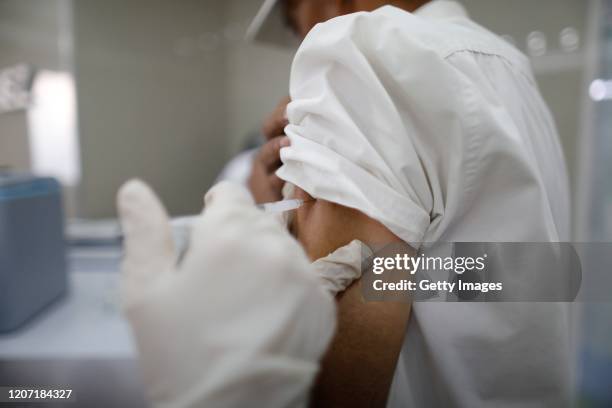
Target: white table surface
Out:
[86,323]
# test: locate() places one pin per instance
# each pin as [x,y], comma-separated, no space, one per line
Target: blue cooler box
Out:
[32,247]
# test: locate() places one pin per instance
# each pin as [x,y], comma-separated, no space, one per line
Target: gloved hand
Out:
[240,322]
[342,267]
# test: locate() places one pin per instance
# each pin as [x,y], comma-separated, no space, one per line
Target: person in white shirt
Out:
[410,124]
[434,127]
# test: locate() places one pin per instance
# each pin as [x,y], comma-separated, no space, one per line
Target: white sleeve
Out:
[374,118]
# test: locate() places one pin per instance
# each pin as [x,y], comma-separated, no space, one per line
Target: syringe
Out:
[281,206]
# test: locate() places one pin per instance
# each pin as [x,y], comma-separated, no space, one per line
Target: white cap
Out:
[269,26]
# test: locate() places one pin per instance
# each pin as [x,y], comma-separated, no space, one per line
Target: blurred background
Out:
[95,92]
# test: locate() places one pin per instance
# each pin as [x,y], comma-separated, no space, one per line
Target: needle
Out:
[281,206]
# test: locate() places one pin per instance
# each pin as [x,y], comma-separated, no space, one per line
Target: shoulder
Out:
[392,29]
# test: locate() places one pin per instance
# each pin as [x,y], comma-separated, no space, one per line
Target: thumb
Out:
[148,244]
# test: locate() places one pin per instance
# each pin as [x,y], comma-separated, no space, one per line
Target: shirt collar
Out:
[440,9]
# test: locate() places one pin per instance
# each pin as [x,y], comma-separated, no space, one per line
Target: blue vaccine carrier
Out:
[33,268]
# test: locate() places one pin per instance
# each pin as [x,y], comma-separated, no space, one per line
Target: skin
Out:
[263,182]
[275,123]
[322,226]
[302,15]
[358,367]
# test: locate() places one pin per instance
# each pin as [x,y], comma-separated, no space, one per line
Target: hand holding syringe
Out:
[274,207]
[181,226]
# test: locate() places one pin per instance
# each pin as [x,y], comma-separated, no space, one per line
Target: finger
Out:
[149,248]
[276,184]
[284,142]
[275,127]
[269,154]
[277,121]
[226,193]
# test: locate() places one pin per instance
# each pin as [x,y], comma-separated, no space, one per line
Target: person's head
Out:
[302,15]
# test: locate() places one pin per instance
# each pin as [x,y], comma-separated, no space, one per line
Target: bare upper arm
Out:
[358,368]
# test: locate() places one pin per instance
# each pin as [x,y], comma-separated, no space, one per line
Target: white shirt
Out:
[434,126]
[502,355]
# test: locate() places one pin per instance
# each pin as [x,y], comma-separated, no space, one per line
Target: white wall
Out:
[151,100]
[35,32]
[257,75]
[148,108]
[28,33]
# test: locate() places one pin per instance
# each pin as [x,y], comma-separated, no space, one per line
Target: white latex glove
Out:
[342,267]
[241,322]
